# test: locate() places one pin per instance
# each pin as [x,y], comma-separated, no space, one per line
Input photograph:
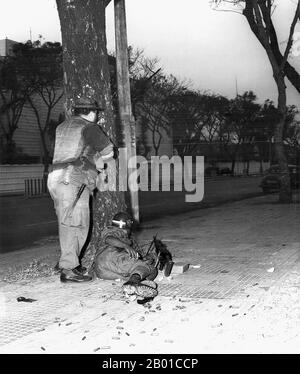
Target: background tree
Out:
[86,72]
[291,134]
[259,16]
[240,127]
[186,121]
[39,69]
[155,105]
[13,96]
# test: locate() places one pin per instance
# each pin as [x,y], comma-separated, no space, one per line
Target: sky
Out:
[215,51]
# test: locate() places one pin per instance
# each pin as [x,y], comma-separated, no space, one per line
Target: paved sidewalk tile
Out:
[240,294]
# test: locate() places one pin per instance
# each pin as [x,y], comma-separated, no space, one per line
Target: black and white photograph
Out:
[149,180]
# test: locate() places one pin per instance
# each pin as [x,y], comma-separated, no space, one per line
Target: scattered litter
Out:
[39,330]
[86,331]
[265,288]
[219,306]
[69,323]
[218,325]
[234,315]
[270,270]
[255,284]
[83,338]
[145,301]
[43,348]
[26,300]
[130,298]
[103,314]
[127,333]
[118,280]
[116,338]
[195,266]
[142,319]
[96,349]
[179,307]
[132,345]
[121,321]
[154,329]
[120,328]
[248,296]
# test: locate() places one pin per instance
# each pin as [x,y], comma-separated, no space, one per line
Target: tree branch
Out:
[290,40]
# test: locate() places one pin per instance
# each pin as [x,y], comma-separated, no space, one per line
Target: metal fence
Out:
[36,187]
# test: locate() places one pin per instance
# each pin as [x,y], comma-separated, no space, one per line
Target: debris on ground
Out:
[180,267]
[271,270]
[25,299]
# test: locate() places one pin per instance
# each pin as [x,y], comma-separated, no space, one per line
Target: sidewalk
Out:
[240,295]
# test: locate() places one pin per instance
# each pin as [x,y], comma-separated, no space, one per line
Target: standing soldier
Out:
[81,148]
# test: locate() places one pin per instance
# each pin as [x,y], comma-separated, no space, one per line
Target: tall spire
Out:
[236,87]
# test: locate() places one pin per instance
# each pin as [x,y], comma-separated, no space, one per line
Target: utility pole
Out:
[124,99]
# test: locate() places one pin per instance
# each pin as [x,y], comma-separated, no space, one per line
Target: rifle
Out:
[71,208]
[164,257]
[151,245]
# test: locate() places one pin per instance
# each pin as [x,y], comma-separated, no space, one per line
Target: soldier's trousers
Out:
[73,229]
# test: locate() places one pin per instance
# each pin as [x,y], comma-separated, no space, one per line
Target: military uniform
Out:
[113,263]
[80,146]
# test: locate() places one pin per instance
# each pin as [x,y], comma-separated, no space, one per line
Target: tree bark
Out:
[86,72]
[254,17]
[285,193]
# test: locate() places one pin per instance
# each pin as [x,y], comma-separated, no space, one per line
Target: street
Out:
[24,221]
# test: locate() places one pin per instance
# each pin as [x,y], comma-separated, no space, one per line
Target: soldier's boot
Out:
[134,286]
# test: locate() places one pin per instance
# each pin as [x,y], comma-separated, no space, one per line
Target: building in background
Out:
[6,47]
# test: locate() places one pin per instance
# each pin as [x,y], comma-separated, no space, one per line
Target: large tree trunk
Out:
[254,14]
[86,72]
[285,193]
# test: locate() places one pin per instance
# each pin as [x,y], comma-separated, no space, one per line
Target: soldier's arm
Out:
[115,242]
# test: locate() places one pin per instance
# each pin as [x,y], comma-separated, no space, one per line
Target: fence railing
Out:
[35,187]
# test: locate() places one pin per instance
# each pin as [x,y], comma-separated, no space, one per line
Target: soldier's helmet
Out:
[86,103]
[122,220]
